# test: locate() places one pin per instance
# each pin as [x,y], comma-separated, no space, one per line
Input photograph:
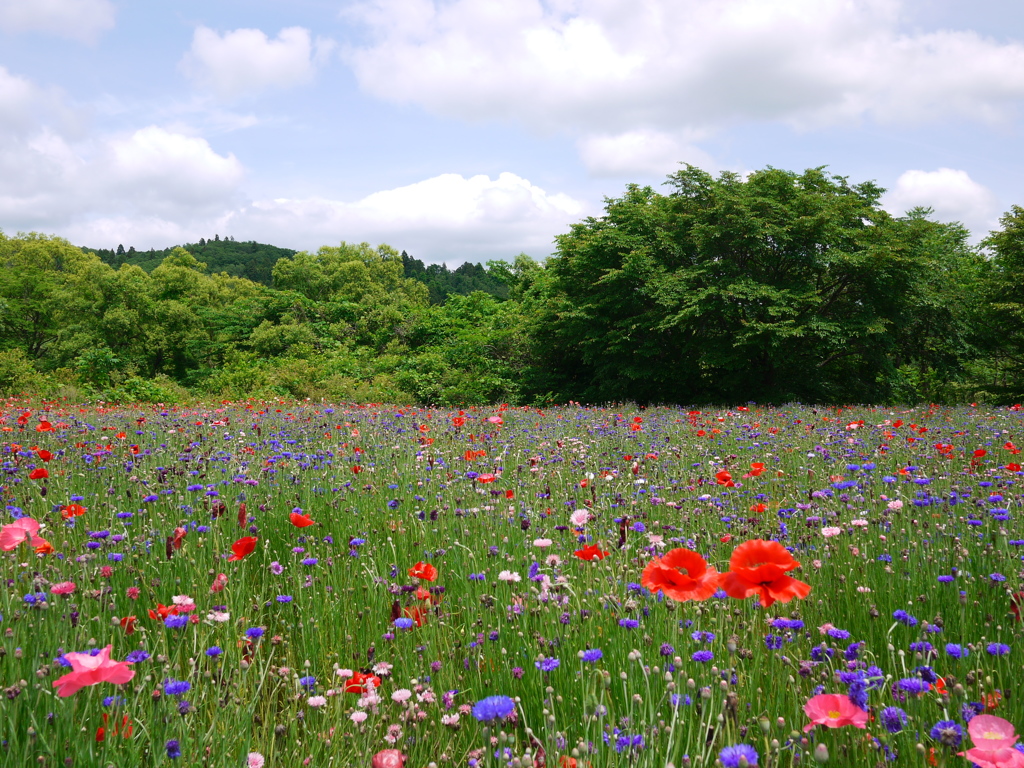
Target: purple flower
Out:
[956,651]
[547,664]
[948,733]
[737,755]
[893,719]
[703,656]
[493,708]
[591,655]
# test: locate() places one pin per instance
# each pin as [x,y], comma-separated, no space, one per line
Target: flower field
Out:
[292,584]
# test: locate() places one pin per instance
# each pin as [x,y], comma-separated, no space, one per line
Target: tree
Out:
[772,287]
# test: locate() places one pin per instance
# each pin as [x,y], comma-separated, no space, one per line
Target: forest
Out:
[772,287]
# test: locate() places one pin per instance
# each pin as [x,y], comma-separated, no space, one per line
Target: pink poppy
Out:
[834,710]
[63,588]
[388,758]
[90,670]
[995,758]
[23,529]
[991,732]
[993,739]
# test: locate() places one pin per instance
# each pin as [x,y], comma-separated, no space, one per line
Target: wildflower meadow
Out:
[293,584]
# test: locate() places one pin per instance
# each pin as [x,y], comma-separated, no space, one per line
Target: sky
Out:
[469,130]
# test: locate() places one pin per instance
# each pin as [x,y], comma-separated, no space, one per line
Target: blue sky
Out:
[478,129]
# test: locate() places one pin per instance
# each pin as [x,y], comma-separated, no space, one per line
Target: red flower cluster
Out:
[757,567]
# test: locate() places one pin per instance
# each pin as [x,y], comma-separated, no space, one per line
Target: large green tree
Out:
[775,286]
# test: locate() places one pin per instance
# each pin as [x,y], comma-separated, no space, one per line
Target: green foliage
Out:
[772,287]
[251,260]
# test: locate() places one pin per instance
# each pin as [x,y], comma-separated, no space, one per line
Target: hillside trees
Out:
[774,287]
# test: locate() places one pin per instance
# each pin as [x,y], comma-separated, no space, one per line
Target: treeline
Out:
[773,287]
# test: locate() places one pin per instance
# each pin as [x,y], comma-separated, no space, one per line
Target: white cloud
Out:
[647,152]
[953,195]
[246,61]
[444,218]
[77,19]
[51,177]
[595,67]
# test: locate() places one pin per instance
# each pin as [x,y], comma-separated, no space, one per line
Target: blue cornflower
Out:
[253,633]
[173,749]
[948,733]
[838,634]
[493,708]
[893,719]
[284,598]
[310,561]
[904,618]
[703,656]
[308,681]
[956,651]
[176,687]
[175,622]
[732,756]
[136,657]
[547,664]
[591,655]
[629,623]
[404,623]
[214,650]
[997,649]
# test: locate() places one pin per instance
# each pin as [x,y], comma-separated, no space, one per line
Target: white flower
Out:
[218,616]
[509,576]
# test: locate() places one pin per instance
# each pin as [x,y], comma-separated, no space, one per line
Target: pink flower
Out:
[63,588]
[23,529]
[991,732]
[90,670]
[834,710]
[830,531]
[993,739]
[255,760]
[388,758]
[219,583]
[107,571]
[994,758]
[133,593]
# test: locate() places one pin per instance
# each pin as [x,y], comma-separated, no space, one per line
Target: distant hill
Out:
[248,259]
[255,261]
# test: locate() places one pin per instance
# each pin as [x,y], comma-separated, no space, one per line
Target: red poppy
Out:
[179,537]
[44,426]
[46,548]
[758,567]
[38,474]
[510,494]
[591,552]
[681,575]
[755,469]
[486,477]
[243,547]
[1011,448]
[128,625]
[1013,467]
[360,682]
[424,571]
[724,478]
[163,611]
[979,453]
[416,613]
[356,469]
[243,515]
[44,454]
[72,510]
[300,520]
[458,421]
